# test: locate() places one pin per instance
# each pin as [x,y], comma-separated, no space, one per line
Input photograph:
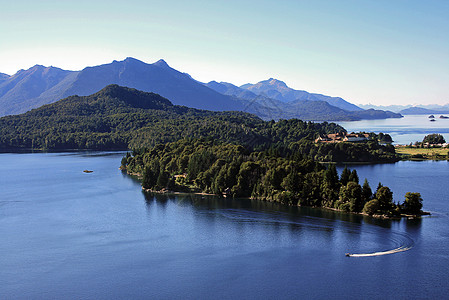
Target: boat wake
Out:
[401,241]
[397,250]
[405,243]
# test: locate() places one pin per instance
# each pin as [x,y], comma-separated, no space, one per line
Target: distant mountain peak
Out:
[276,82]
[278,90]
[131,59]
[161,63]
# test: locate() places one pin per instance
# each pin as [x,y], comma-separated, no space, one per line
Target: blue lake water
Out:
[406,130]
[72,235]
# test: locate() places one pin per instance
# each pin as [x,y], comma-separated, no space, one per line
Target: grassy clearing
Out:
[423,153]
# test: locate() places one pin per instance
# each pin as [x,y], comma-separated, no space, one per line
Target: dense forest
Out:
[119,118]
[209,166]
[235,153]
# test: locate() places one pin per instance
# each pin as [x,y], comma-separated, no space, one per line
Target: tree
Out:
[351,194]
[367,193]
[385,197]
[162,180]
[412,203]
[331,176]
[330,186]
[385,138]
[378,187]
[371,207]
[354,177]
[247,178]
[149,178]
[292,182]
[345,174]
[434,138]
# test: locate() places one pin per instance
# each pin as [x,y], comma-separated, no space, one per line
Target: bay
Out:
[75,235]
[406,130]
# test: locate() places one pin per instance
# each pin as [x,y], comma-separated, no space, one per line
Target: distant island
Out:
[422,111]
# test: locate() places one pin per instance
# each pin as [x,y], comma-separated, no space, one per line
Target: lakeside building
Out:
[343,137]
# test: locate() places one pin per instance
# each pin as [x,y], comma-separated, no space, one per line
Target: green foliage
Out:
[209,166]
[434,138]
[385,197]
[412,203]
[350,198]
[370,151]
[384,138]
[354,177]
[118,118]
[371,207]
[345,176]
[367,193]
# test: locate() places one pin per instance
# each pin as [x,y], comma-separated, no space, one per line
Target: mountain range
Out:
[269,99]
[411,109]
[422,111]
[286,102]
[278,90]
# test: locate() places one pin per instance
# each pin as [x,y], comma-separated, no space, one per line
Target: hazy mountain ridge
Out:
[422,111]
[27,88]
[3,77]
[269,99]
[279,90]
[399,108]
[34,87]
[302,108]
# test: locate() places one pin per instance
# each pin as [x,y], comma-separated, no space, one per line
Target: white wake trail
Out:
[397,250]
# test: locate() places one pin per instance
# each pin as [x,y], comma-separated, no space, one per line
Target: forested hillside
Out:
[119,118]
[123,118]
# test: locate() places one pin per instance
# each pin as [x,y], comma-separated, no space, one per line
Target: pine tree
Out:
[344,177]
[367,193]
[354,177]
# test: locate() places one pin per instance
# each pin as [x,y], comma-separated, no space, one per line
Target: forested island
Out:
[208,166]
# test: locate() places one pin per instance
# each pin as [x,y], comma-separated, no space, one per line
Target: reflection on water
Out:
[98,236]
[315,223]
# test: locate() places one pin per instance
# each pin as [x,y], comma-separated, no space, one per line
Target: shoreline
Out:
[223,195]
[375,216]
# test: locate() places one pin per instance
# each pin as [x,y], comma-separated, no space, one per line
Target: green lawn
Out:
[424,153]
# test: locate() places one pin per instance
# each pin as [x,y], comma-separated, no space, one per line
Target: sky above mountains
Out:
[380,52]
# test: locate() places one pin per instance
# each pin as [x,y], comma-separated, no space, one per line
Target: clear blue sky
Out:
[378,51]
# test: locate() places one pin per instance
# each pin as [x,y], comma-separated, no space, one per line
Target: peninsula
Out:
[208,166]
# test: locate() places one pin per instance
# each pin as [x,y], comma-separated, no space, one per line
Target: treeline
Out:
[118,118]
[205,165]
[124,118]
[369,151]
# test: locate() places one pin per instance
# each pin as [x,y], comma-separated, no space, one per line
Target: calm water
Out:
[406,130]
[68,234]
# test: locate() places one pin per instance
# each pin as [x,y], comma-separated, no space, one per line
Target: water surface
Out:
[406,130]
[68,234]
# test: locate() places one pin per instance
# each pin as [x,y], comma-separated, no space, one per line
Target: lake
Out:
[74,235]
[406,130]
